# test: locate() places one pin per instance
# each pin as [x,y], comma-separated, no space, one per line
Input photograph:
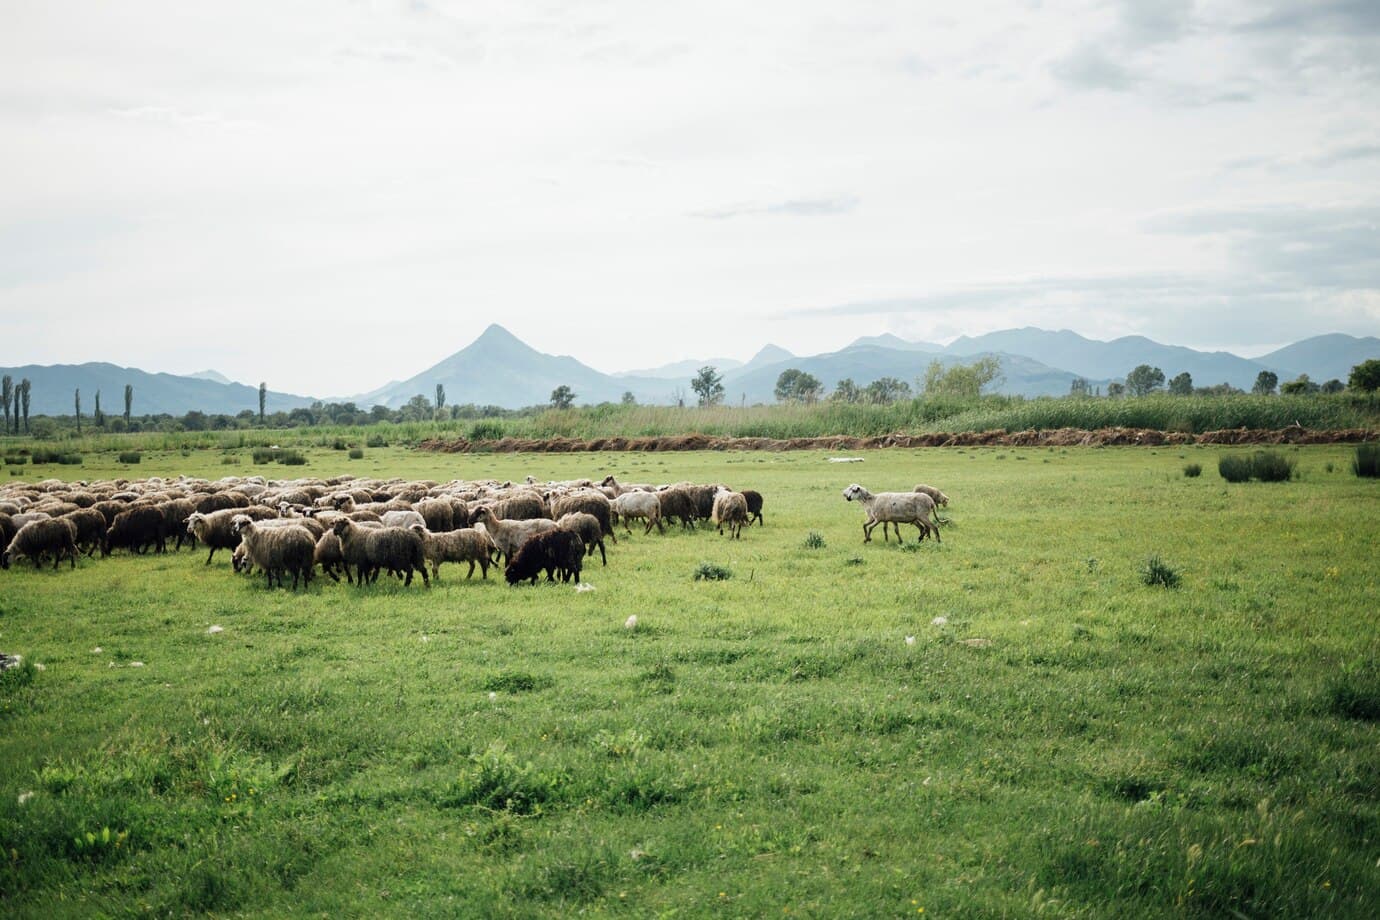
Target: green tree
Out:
[1116,390]
[628,398]
[1333,386]
[76,399]
[263,400]
[100,419]
[1080,387]
[417,409]
[846,391]
[1265,383]
[886,390]
[1144,380]
[961,380]
[794,385]
[1365,376]
[26,390]
[708,386]
[1299,386]
[563,397]
[7,394]
[1182,384]
[440,398]
[129,401]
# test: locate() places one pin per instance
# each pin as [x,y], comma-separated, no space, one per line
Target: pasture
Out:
[1063,740]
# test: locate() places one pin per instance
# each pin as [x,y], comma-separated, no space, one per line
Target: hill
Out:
[1324,357]
[154,394]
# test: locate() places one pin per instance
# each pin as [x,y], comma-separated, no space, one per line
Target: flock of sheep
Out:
[355,527]
[362,528]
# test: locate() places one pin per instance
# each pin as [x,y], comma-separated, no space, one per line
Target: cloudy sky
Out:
[328,196]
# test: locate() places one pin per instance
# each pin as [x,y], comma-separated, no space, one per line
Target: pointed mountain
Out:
[154,394]
[1324,357]
[887,340]
[1098,360]
[768,354]
[213,376]
[499,369]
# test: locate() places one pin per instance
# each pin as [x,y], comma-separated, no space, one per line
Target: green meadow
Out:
[1007,723]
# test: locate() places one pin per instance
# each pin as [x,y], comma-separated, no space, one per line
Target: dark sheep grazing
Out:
[437,513]
[175,514]
[703,497]
[677,504]
[556,552]
[754,503]
[136,530]
[589,530]
[369,550]
[219,501]
[54,535]
[91,528]
[7,531]
[110,509]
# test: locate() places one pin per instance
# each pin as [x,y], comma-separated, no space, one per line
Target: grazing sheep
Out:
[135,530]
[590,531]
[402,518]
[586,501]
[90,529]
[521,506]
[276,549]
[620,488]
[53,535]
[330,556]
[703,497]
[215,531]
[894,507]
[939,498]
[7,530]
[466,544]
[219,501]
[729,508]
[28,517]
[677,504]
[396,549]
[437,513]
[558,552]
[175,513]
[754,503]
[509,535]
[644,505]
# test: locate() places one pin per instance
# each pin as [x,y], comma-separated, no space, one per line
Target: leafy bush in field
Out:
[376,440]
[292,458]
[16,460]
[130,456]
[1366,462]
[356,453]
[1193,470]
[1268,466]
[486,431]
[69,459]
[339,444]
[1234,468]
[709,571]
[497,781]
[265,455]
[814,540]
[42,455]
[230,460]
[1156,573]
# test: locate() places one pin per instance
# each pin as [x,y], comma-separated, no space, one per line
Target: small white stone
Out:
[630,622]
[25,796]
[215,629]
[97,650]
[425,637]
[136,664]
[40,666]
[492,695]
[583,586]
[939,621]
[910,640]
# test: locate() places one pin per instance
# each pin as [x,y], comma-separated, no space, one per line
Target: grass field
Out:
[1067,741]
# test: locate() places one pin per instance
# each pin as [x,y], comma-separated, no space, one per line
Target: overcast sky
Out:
[328,196]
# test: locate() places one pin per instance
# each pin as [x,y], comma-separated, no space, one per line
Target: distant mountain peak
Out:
[213,376]
[770,354]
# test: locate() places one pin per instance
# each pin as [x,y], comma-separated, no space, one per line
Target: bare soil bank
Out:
[1058,437]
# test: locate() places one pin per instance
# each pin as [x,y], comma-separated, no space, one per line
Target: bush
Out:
[1234,468]
[16,460]
[356,453]
[130,456]
[1366,462]
[1268,466]
[814,540]
[69,459]
[292,458]
[265,454]
[1193,470]
[43,455]
[496,781]
[339,444]
[709,571]
[486,431]
[230,460]
[1158,573]
[375,440]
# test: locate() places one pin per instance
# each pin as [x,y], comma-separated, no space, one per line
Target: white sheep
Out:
[509,535]
[402,519]
[644,505]
[894,508]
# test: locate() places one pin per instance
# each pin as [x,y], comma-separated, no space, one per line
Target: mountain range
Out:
[499,369]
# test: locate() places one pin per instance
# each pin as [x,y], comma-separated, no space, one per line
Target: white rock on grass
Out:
[940,621]
[630,622]
[215,629]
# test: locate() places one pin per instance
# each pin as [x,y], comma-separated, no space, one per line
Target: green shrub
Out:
[69,459]
[130,456]
[486,431]
[709,571]
[1367,461]
[42,455]
[292,458]
[356,453]
[1158,573]
[814,540]
[1193,470]
[375,440]
[339,444]
[496,781]
[1268,466]
[1234,468]
[16,460]
[230,460]
[265,454]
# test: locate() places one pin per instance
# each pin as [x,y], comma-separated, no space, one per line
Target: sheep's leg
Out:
[483,567]
[208,558]
[426,582]
[603,557]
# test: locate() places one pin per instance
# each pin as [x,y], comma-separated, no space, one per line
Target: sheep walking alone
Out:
[894,508]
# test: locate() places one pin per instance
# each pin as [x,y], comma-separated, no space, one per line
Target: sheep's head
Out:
[193,519]
[239,522]
[340,526]
[854,492]
[608,480]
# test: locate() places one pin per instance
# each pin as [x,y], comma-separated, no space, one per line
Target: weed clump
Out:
[497,781]
[356,453]
[515,682]
[16,460]
[814,540]
[709,571]
[375,440]
[1268,466]
[486,431]
[130,456]
[1156,573]
[1355,693]
[1233,468]
[1193,470]
[1366,462]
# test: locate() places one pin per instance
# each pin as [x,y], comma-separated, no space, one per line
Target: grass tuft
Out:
[710,571]
[1366,461]
[1156,573]
[814,540]
[1193,470]
[1355,693]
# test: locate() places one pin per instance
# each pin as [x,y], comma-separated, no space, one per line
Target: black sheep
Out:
[554,552]
[754,503]
[136,529]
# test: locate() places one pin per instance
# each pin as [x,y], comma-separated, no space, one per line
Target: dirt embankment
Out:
[1059,437]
